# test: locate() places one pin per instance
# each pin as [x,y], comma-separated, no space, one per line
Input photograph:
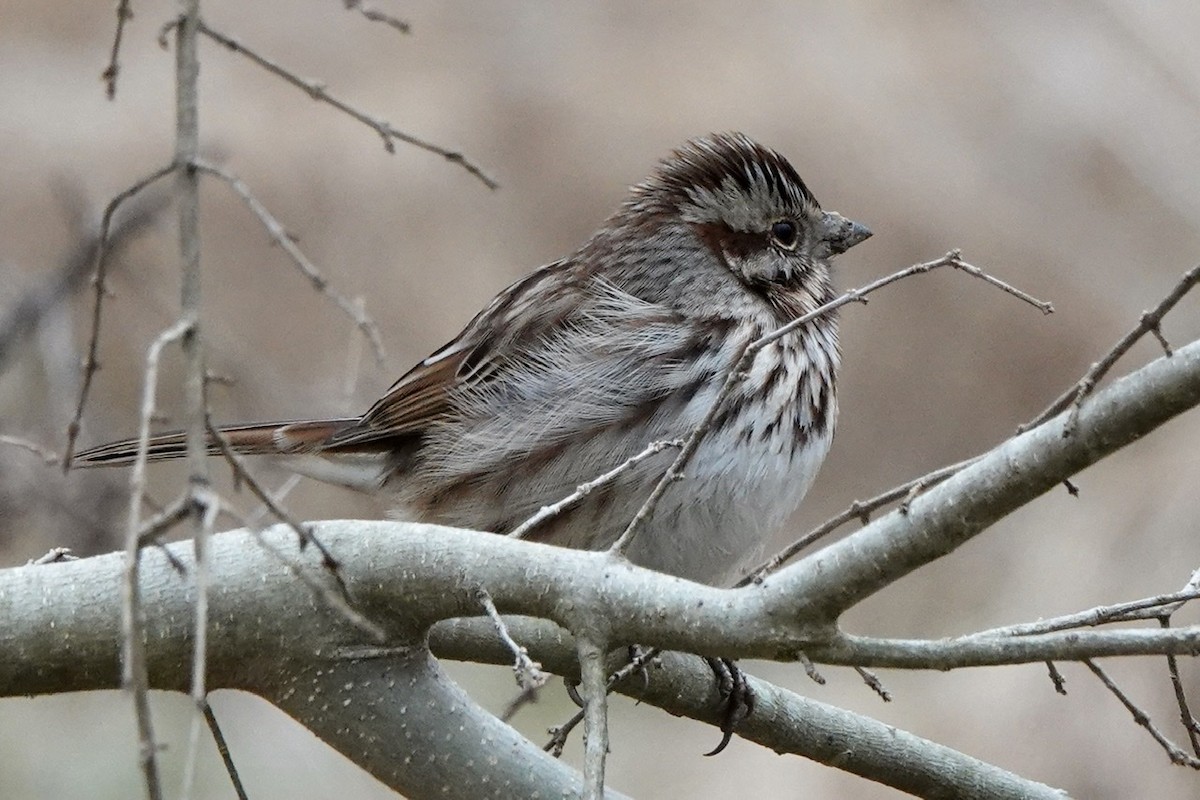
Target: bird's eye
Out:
[785,234]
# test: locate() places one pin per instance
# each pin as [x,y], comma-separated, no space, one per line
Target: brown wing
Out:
[265,438]
[424,394]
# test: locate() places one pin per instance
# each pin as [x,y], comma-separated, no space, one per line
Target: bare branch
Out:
[134,674]
[109,76]
[56,555]
[528,672]
[745,357]
[874,684]
[376,15]
[1148,323]
[1174,752]
[857,510]
[90,365]
[1146,608]
[782,721]
[223,750]
[1056,677]
[583,490]
[209,505]
[979,651]
[338,601]
[44,453]
[1006,478]
[1189,721]
[399,575]
[317,92]
[281,237]
[594,682]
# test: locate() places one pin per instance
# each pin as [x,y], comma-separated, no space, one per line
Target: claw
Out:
[736,695]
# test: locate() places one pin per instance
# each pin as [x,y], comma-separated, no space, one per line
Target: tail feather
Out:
[269,438]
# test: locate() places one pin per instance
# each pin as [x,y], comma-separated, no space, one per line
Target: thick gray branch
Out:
[391,711]
[1011,475]
[782,720]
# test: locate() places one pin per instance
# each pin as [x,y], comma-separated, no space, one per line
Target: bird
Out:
[584,363]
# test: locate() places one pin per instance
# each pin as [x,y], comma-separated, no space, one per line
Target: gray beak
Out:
[840,233]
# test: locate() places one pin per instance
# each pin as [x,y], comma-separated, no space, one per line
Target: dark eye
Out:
[785,233]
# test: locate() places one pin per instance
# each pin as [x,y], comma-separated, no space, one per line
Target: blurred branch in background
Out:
[21,320]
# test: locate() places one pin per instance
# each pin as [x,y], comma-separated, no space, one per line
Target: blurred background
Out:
[1056,143]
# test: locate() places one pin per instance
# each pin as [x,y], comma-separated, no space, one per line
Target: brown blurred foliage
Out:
[1054,142]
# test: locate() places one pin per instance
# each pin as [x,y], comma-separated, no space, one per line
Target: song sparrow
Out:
[580,365]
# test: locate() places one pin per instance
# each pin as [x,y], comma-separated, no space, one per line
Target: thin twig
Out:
[317,92]
[1174,752]
[90,364]
[1148,323]
[874,684]
[333,600]
[810,669]
[560,733]
[134,675]
[1186,717]
[195,388]
[1146,608]
[523,698]
[339,601]
[375,15]
[860,510]
[210,504]
[153,529]
[528,672]
[277,497]
[109,76]
[583,490]
[28,315]
[353,362]
[1056,677]
[742,361]
[594,682]
[281,237]
[55,555]
[165,519]
[223,750]
[44,453]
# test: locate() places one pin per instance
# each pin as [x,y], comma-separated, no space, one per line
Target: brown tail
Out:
[266,438]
